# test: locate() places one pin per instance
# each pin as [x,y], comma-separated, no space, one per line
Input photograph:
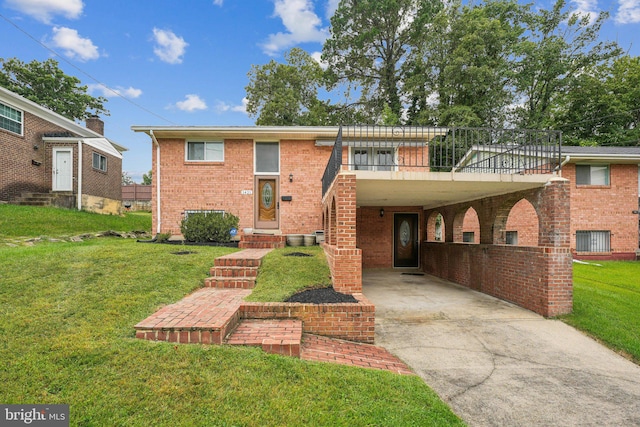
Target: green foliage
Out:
[208,227]
[147,178]
[70,339]
[281,276]
[44,83]
[34,221]
[606,298]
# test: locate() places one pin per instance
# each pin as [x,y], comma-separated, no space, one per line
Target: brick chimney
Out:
[95,124]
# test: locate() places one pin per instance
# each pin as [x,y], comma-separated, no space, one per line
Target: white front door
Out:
[62,169]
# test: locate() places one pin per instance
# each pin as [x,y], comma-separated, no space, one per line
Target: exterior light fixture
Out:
[635,212]
[290,177]
[381,212]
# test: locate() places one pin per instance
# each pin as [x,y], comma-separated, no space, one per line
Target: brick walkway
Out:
[211,315]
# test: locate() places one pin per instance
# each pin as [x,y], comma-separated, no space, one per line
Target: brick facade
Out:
[229,185]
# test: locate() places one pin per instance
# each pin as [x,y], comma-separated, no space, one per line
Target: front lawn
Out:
[606,304]
[68,311]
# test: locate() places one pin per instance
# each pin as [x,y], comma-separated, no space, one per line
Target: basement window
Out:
[99,162]
[511,238]
[200,211]
[468,236]
[593,241]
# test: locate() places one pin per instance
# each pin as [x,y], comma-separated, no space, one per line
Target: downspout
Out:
[80,162]
[564,162]
[157,173]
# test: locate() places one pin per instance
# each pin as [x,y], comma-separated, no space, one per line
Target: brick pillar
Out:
[344,258]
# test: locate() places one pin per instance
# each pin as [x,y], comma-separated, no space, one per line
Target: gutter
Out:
[157,173]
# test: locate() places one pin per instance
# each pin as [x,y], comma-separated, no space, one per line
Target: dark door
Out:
[405,240]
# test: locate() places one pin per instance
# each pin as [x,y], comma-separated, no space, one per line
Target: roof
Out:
[24,104]
[608,154]
[102,144]
[249,132]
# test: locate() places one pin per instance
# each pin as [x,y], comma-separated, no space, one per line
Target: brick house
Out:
[604,194]
[384,197]
[46,158]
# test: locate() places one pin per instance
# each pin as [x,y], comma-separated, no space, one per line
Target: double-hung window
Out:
[592,175]
[205,151]
[10,119]
[99,162]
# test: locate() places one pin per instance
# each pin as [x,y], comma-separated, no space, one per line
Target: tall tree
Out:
[560,45]
[369,42]
[46,84]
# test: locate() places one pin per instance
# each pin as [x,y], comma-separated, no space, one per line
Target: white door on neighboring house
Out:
[62,169]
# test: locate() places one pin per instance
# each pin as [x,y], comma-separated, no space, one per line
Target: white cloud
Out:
[301,22]
[628,12]
[129,92]
[44,10]
[587,7]
[332,6]
[218,2]
[169,47]
[191,103]
[74,46]
[318,57]
[222,107]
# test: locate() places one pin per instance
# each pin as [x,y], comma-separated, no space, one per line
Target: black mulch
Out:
[321,296]
[297,254]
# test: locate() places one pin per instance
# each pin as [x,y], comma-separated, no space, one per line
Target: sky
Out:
[179,62]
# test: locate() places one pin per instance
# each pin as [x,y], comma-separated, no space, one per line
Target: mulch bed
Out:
[321,296]
[297,254]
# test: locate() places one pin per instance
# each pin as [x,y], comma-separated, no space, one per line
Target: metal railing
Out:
[435,149]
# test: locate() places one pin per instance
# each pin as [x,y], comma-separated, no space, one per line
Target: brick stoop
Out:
[274,336]
[237,270]
[262,241]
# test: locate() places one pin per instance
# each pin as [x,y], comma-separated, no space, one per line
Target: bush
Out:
[208,227]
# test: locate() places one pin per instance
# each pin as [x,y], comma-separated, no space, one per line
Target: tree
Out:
[126,179]
[369,42]
[46,84]
[559,47]
[602,106]
[147,178]
[287,94]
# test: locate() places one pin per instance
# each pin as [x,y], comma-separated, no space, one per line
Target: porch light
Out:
[290,177]
[381,212]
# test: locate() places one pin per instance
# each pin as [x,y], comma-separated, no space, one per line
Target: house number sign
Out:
[246,192]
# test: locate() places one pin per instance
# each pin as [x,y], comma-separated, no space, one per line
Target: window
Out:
[267,157]
[205,151]
[468,236]
[10,119]
[99,162]
[592,174]
[379,159]
[511,238]
[200,211]
[593,241]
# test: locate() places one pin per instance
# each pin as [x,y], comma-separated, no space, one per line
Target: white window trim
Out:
[590,165]
[255,171]
[101,156]
[186,151]
[370,157]
[21,121]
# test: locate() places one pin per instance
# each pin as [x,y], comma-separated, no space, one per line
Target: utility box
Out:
[319,236]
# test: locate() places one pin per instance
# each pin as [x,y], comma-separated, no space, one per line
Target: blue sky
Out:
[186,62]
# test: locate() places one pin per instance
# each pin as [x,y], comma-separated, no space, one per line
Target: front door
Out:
[62,169]
[266,202]
[405,240]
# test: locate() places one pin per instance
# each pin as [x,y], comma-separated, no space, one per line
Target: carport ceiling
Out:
[435,189]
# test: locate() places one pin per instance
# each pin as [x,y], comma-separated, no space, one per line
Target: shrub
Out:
[208,227]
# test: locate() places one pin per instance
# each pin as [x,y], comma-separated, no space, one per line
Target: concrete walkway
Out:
[496,364]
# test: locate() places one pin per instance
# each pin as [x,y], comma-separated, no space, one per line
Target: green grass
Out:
[606,304]
[281,276]
[30,221]
[68,311]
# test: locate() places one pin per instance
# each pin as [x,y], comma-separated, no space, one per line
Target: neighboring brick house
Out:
[47,157]
[377,193]
[605,184]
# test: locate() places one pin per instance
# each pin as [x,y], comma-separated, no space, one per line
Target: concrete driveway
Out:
[496,364]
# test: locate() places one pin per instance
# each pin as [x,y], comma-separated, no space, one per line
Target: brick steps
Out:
[237,271]
[273,336]
[262,241]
